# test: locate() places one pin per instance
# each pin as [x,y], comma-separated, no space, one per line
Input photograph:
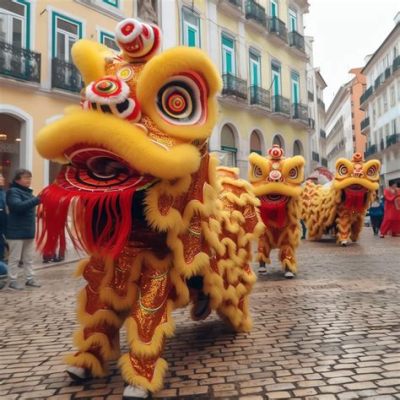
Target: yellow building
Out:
[258,47]
[37,79]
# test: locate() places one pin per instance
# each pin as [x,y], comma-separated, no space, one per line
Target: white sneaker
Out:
[344,243]
[78,374]
[134,392]
[289,274]
[262,271]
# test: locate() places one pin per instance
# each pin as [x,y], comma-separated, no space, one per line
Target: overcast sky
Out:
[345,31]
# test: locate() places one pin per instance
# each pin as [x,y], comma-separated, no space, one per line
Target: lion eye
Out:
[293,173]
[181,101]
[372,171]
[342,170]
[257,172]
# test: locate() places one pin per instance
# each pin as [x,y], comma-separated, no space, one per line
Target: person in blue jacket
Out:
[20,233]
[376,212]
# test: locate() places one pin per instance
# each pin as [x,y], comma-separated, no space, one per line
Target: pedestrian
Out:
[375,212]
[391,218]
[3,218]
[20,235]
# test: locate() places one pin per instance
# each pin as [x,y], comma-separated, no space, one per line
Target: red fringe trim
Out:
[101,222]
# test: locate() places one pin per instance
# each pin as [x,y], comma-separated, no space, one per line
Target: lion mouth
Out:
[98,169]
[355,197]
[274,198]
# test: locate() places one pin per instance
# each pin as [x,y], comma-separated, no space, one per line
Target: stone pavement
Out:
[332,333]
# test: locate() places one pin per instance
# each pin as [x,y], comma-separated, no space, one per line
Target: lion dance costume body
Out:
[342,205]
[161,226]
[276,181]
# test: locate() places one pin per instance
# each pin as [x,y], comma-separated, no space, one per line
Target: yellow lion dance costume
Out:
[161,226]
[342,205]
[276,181]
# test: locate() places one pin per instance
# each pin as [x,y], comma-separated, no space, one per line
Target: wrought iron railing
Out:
[256,11]
[300,111]
[322,134]
[378,81]
[315,156]
[388,72]
[65,76]
[280,104]
[364,123]
[371,149]
[237,3]
[260,96]
[19,63]
[278,27]
[366,94]
[234,86]
[296,40]
[393,139]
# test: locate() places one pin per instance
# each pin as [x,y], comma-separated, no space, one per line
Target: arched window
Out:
[278,139]
[298,148]
[228,146]
[255,142]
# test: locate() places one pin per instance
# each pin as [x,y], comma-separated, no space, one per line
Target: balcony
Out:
[315,156]
[281,105]
[277,27]
[300,112]
[365,123]
[65,76]
[366,94]
[19,63]
[236,3]
[260,97]
[256,12]
[371,149]
[396,64]
[322,134]
[388,72]
[296,40]
[234,86]
[324,162]
[392,139]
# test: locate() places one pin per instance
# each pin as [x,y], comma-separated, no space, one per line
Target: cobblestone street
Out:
[332,333]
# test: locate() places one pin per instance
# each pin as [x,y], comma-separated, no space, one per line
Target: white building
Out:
[316,111]
[339,127]
[381,101]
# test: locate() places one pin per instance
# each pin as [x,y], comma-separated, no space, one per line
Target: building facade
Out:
[381,102]
[316,111]
[258,47]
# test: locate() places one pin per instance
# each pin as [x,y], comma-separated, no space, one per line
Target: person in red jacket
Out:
[391,218]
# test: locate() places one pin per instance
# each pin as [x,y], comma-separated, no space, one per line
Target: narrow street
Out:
[332,333]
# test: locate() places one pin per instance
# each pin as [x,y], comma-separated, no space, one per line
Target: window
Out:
[392,96]
[228,55]
[255,143]
[274,8]
[108,40]
[228,146]
[14,23]
[114,3]
[191,28]
[292,21]
[66,31]
[295,87]
[394,127]
[255,69]
[385,101]
[276,78]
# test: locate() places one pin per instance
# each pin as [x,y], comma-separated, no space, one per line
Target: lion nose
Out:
[112,95]
[358,173]
[275,176]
